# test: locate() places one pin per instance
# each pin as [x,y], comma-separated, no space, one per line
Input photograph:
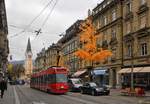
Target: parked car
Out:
[93,89]
[21,82]
[17,82]
[12,82]
[75,84]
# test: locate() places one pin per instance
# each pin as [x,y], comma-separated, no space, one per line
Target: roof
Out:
[29,46]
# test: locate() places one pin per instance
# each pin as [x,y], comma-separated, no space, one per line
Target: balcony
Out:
[104,44]
[128,16]
[113,59]
[113,41]
[143,32]
[128,37]
[143,8]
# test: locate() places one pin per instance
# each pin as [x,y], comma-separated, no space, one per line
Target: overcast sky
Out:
[21,12]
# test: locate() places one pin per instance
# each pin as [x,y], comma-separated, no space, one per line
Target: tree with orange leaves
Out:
[89,50]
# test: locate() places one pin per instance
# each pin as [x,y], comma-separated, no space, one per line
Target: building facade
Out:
[4,48]
[70,44]
[107,19]
[52,55]
[28,61]
[136,40]
[48,58]
[124,29]
[40,60]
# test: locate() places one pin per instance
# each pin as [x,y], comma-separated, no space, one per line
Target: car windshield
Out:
[61,78]
[76,81]
[93,84]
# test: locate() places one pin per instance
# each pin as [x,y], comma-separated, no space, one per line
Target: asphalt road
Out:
[26,95]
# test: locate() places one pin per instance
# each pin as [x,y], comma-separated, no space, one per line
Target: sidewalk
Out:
[117,92]
[8,97]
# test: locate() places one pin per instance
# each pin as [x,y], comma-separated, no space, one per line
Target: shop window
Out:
[143,49]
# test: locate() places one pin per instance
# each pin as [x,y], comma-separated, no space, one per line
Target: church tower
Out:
[28,61]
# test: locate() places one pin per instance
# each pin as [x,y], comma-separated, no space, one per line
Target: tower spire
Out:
[28,46]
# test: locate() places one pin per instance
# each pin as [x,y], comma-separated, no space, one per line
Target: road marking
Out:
[16,96]
[80,100]
[38,103]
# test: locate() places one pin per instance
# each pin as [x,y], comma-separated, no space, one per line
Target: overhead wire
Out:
[49,13]
[29,30]
[49,3]
[46,19]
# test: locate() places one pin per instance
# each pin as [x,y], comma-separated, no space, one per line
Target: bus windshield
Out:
[61,78]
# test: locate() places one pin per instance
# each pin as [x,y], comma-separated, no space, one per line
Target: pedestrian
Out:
[2,85]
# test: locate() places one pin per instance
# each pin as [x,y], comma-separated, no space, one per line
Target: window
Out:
[128,27]
[143,21]
[105,20]
[113,57]
[142,2]
[128,6]
[113,32]
[129,50]
[113,15]
[61,78]
[143,49]
[97,24]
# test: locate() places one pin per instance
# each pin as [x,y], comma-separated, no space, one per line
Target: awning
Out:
[78,73]
[99,72]
[135,70]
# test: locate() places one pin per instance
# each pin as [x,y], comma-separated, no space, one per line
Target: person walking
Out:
[3,86]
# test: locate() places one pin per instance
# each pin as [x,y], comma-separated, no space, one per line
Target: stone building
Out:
[48,58]
[4,48]
[107,19]
[52,55]
[40,60]
[69,44]
[136,41]
[28,61]
[124,29]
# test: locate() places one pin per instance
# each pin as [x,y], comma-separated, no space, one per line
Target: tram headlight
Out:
[62,87]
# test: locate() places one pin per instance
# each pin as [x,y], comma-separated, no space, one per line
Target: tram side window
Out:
[51,78]
[41,79]
[44,79]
